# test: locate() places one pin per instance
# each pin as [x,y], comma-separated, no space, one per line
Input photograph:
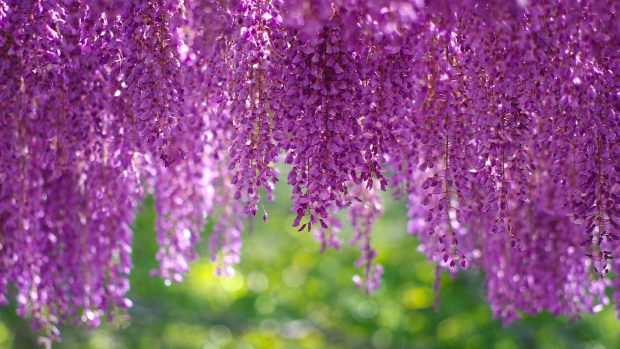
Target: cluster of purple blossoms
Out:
[496,120]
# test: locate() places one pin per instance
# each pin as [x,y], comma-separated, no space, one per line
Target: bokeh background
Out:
[286,294]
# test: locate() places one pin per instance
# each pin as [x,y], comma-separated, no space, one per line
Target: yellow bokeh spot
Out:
[202,282]
[452,328]
[5,336]
[418,297]
[232,284]
[200,279]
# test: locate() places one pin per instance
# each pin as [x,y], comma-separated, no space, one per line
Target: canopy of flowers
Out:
[496,120]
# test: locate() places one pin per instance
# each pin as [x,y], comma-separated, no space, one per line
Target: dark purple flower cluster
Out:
[497,120]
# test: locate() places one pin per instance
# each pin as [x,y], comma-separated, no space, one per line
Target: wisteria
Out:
[497,122]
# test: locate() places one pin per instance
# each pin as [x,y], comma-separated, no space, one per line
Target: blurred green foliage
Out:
[288,295]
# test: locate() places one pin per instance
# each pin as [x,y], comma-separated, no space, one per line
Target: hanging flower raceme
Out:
[253,91]
[151,71]
[323,122]
[496,120]
[365,210]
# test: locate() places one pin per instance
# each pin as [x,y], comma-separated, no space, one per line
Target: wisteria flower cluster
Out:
[496,120]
